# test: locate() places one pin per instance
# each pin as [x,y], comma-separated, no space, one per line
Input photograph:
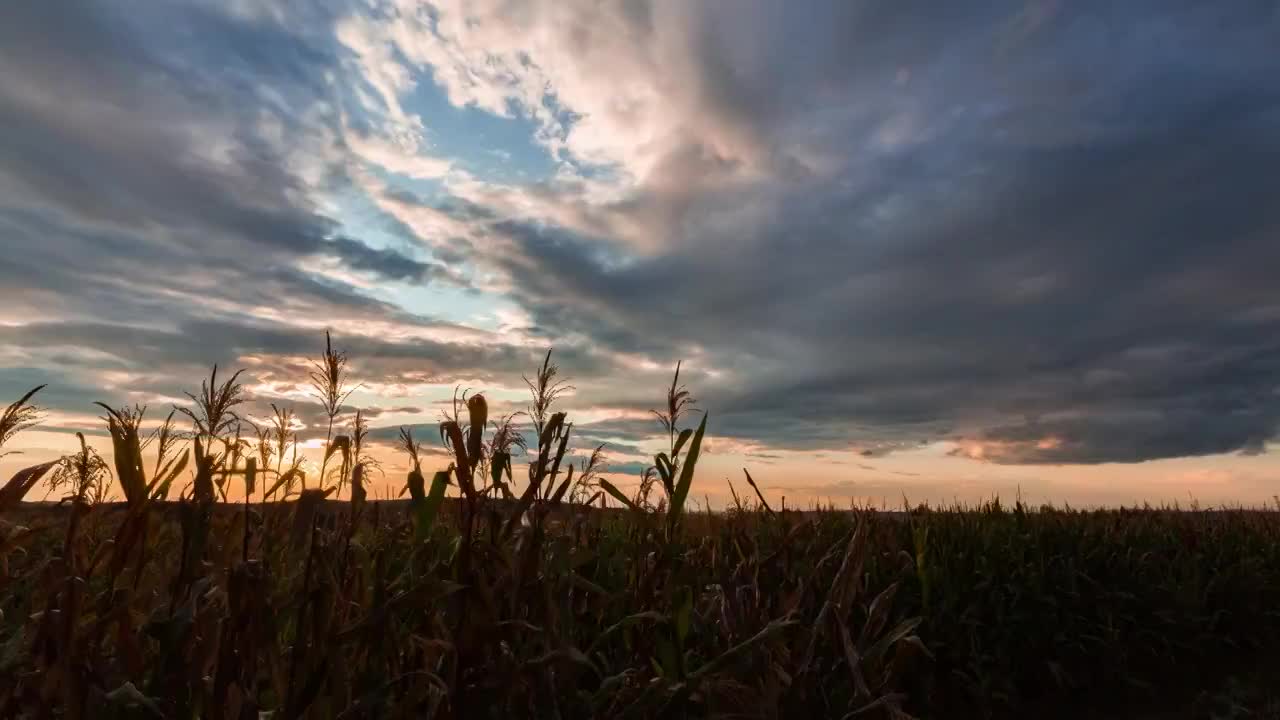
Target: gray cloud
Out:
[193,148]
[164,361]
[1043,228]
[383,262]
[157,180]
[1067,248]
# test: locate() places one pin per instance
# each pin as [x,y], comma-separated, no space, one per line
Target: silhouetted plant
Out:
[18,416]
[213,414]
[535,607]
[331,387]
[545,389]
[84,475]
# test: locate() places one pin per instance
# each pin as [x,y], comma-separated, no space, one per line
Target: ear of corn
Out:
[429,506]
[126,444]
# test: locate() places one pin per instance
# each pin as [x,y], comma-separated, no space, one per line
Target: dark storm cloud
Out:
[383,262]
[1063,245]
[1048,229]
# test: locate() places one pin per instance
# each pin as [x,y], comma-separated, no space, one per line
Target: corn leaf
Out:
[159,488]
[619,496]
[429,507]
[680,441]
[686,475]
[21,483]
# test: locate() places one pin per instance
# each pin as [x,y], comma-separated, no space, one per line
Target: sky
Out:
[903,249]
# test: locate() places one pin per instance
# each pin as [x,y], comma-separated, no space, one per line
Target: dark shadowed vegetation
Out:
[556,594]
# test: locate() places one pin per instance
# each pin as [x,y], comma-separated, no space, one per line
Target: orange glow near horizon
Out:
[932,474]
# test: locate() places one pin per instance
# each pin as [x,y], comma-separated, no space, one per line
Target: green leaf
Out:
[21,483]
[731,655]
[582,583]
[683,614]
[342,444]
[663,463]
[558,495]
[626,622]
[668,658]
[686,474]
[159,488]
[552,430]
[899,632]
[680,441]
[129,696]
[284,479]
[428,509]
[619,496]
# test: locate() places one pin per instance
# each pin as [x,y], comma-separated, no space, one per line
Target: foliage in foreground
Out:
[517,600]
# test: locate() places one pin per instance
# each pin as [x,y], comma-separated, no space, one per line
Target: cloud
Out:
[161,200]
[980,223]
[1041,232]
[384,262]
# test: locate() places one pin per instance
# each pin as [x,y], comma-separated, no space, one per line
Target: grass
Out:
[523,598]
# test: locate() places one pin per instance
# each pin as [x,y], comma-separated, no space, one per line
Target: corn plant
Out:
[331,387]
[484,596]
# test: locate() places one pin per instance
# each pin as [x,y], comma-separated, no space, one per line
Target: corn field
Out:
[559,595]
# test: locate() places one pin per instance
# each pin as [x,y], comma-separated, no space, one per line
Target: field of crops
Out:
[523,598]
